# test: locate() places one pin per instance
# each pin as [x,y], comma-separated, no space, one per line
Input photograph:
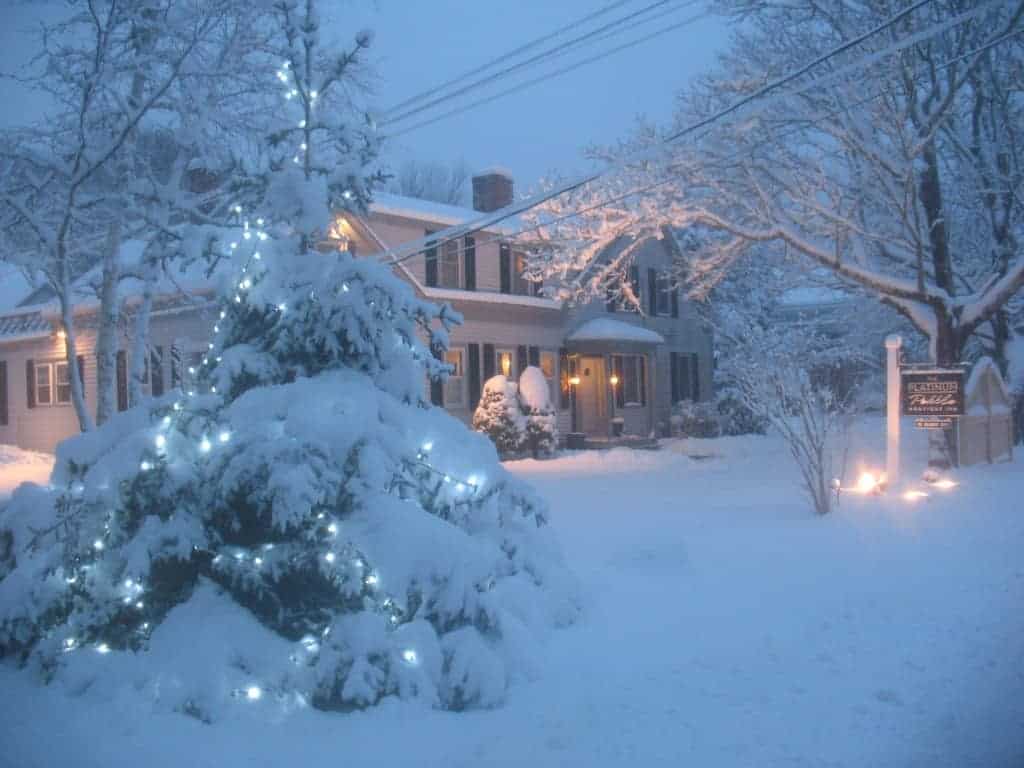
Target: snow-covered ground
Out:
[725,625]
[18,466]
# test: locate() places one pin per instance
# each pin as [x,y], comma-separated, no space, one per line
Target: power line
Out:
[553,74]
[663,182]
[532,61]
[508,55]
[489,220]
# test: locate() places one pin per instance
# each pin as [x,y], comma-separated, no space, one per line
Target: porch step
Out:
[640,443]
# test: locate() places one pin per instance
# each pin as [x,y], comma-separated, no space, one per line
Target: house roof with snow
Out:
[606,329]
[385,203]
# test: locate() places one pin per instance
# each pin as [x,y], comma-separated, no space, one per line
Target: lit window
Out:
[63,382]
[44,389]
[505,363]
[547,364]
[454,391]
[449,266]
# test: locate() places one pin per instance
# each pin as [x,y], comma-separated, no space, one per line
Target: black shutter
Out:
[474,375]
[431,260]
[156,371]
[563,376]
[488,361]
[673,370]
[505,267]
[609,300]
[469,255]
[675,302]
[620,390]
[642,359]
[685,378]
[534,356]
[634,282]
[3,393]
[122,381]
[81,373]
[30,383]
[652,290]
[520,359]
[695,370]
[437,385]
[175,366]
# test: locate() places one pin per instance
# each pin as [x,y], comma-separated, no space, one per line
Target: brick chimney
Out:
[492,189]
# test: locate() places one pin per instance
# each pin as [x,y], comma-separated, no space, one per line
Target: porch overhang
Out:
[605,335]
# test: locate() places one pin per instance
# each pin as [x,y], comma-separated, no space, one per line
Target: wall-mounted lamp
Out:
[575,380]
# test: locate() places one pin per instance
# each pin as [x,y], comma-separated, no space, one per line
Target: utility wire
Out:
[532,61]
[553,74]
[506,56]
[488,220]
[796,129]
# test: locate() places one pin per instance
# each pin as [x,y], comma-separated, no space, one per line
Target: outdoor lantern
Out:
[614,380]
[575,380]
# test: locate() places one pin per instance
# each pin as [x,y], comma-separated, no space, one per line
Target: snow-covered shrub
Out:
[735,417]
[499,416]
[541,419]
[696,419]
[307,480]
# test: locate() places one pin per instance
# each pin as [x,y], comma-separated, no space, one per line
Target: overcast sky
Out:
[421,43]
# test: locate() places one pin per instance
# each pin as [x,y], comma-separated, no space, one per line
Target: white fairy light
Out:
[239,555]
[329,557]
[332,529]
[302,146]
[257,561]
[98,545]
[71,579]
[372,580]
[256,255]
[166,421]
[409,656]
[69,643]
[427,446]
[459,487]
[234,246]
[253,693]
[312,94]
[224,436]
[139,605]
[282,307]
[204,446]
[344,287]
[259,222]
[238,209]
[160,441]
[296,158]
[191,370]
[129,583]
[223,314]
[177,406]
[102,648]
[262,235]
[302,123]
[247,235]
[127,601]
[145,466]
[473,481]
[213,389]
[447,478]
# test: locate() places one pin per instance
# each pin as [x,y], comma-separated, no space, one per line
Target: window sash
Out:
[630,369]
[664,294]
[44,390]
[454,385]
[449,266]
[62,383]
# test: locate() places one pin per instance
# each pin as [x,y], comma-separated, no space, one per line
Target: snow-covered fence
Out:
[986,428]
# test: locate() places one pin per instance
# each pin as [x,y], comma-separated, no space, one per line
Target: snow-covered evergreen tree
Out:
[541,436]
[304,476]
[499,416]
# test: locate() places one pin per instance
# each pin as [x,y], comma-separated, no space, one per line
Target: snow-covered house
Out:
[601,362]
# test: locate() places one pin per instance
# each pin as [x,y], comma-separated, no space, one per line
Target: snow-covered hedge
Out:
[696,419]
[307,482]
[518,417]
[541,437]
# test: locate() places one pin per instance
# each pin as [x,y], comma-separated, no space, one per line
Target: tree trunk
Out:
[140,347]
[71,346]
[106,335]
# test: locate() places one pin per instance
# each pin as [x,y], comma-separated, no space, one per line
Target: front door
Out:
[591,402]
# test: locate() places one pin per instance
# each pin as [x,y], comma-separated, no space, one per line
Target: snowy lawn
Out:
[18,466]
[725,625]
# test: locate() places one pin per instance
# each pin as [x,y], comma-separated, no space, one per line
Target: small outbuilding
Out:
[986,428]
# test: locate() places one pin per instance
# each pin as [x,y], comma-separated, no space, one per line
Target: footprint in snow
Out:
[889,696]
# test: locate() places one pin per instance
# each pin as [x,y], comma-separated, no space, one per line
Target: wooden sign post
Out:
[892,408]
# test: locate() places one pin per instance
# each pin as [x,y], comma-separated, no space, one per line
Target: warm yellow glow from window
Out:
[505,361]
[340,232]
[614,380]
[575,380]
[62,334]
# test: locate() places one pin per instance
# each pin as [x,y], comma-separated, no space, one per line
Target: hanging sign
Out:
[933,392]
[934,422]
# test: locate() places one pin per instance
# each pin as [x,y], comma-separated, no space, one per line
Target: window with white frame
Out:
[448,266]
[454,386]
[52,383]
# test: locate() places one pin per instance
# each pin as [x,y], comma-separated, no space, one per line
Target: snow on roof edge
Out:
[606,329]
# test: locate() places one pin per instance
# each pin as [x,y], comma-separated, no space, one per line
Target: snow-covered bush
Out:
[735,417]
[541,419]
[698,419]
[499,415]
